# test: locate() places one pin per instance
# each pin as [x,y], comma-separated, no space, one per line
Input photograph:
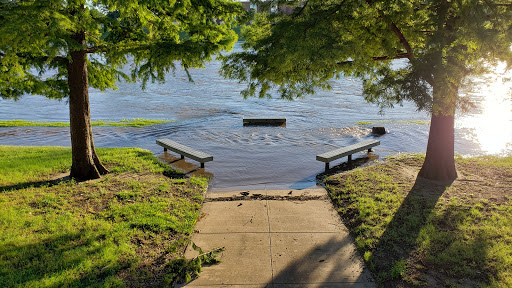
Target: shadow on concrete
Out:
[332,264]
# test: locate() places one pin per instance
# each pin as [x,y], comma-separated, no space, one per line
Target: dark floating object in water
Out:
[378,130]
[264,121]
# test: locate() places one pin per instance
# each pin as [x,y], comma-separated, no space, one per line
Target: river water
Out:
[207,115]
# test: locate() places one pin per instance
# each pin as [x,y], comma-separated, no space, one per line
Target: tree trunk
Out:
[439,162]
[85,163]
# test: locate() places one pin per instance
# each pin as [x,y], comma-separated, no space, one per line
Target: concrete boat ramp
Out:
[277,238]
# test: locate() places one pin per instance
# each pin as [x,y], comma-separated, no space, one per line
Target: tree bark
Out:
[85,163]
[439,164]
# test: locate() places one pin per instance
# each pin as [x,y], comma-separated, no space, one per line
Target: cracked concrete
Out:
[277,238]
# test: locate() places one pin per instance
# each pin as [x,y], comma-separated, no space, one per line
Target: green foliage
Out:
[94,233]
[136,122]
[39,36]
[183,270]
[442,43]
[398,269]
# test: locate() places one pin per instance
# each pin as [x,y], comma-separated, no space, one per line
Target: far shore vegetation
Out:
[128,229]
[136,122]
[416,232]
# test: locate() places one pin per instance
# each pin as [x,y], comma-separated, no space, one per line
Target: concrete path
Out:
[284,238]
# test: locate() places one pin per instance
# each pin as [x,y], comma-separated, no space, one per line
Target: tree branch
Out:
[397,32]
[58,59]
[503,4]
[404,41]
[386,58]
[380,58]
[94,49]
[88,50]
[43,59]
[92,36]
[301,9]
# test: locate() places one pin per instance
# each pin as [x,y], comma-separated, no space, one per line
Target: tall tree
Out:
[442,44]
[58,48]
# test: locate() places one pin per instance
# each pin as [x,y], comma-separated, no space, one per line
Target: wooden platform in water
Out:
[264,121]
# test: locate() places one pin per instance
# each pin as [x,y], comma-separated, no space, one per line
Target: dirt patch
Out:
[477,181]
[153,250]
[268,197]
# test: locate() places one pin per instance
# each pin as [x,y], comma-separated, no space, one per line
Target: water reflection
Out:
[491,124]
[186,166]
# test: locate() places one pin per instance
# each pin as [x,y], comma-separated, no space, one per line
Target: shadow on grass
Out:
[329,264]
[35,184]
[57,261]
[173,174]
[399,239]
[459,257]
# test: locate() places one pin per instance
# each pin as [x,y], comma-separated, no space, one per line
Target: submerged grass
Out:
[129,228]
[136,122]
[416,122]
[421,233]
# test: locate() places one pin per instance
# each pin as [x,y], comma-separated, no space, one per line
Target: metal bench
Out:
[185,151]
[346,151]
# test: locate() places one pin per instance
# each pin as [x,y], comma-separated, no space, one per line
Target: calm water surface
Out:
[208,115]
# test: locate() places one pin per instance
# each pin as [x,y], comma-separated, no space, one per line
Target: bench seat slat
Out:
[185,150]
[346,151]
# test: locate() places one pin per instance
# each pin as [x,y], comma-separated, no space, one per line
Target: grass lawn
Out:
[137,122]
[129,228]
[421,233]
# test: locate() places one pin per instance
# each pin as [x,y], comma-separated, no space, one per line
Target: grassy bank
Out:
[136,122]
[420,233]
[129,228]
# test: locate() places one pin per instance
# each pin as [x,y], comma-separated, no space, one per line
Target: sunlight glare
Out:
[492,124]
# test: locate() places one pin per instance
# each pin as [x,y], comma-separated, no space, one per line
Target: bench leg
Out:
[165,149]
[370,150]
[326,166]
[349,158]
[182,157]
[202,165]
